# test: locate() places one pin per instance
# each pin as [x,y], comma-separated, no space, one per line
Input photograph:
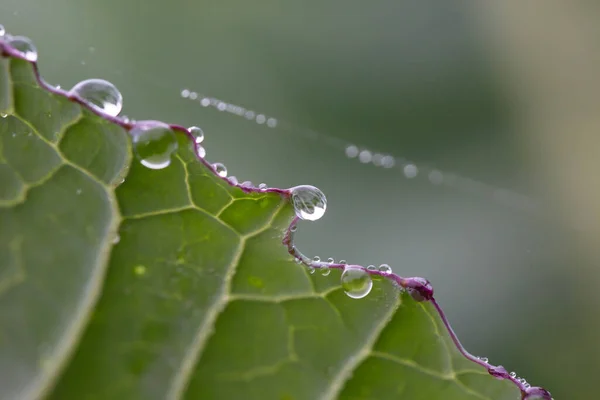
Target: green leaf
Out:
[176,284]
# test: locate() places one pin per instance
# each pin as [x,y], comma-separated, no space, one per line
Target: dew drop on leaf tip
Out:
[153,143]
[23,45]
[309,202]
[356,282]
[99,94]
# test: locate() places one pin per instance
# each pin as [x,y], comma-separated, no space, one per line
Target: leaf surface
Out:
[175,284]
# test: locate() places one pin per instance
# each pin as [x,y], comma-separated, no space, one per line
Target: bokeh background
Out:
[505,93]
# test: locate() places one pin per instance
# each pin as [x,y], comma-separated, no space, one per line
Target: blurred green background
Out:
[505,94]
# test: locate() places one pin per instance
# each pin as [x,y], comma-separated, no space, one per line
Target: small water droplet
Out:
[25,46]
[410,171]
[356,282]
[233,180]
[330,260]
[293,228]
[365,156]
[100,95]
[197,132]
[343,262]
[385,269]
[2,31]
[484,359]
[311,269]
[513,374]
[298,261]
[260,119]
[317,259]
[220,169]
[200,151]
[205,102]
[193,95]
[436,177]
[153,143]
[325,270]
[262,186]
[271,122]
[309,202]
[372,268]
[351,151]
[247,184]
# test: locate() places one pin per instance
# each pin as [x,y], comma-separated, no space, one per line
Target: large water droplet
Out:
[100,95]
[25,46]
[153,143]
[356,282]
[220,169]
[309,202]
[325,270]
[198,134]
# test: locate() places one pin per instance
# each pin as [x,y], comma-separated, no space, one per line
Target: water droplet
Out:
[200,151]
[220,169]
[325,270]
[293,228]
[247,184]
[153,143]
[260,119]
[484,359]
[343,262]
[116,239]
[436,177]
[25,46]
[372,268]
[193,95]
[385,269]
[100,95]
[356,282]
[2,30]
[271,122]
[351,151]
[513,374]
[198,134]
[298,261]
[330,260]
[262,186]
[311,269]
[309,202]
[410,171]
[3,115]
[205,102]
[233,180]
[388,162]
[365,156]
[185,93]
[317,259]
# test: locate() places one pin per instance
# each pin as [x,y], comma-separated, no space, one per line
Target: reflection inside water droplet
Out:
[309,202]
[100,95]
[153,143]
[356,282]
